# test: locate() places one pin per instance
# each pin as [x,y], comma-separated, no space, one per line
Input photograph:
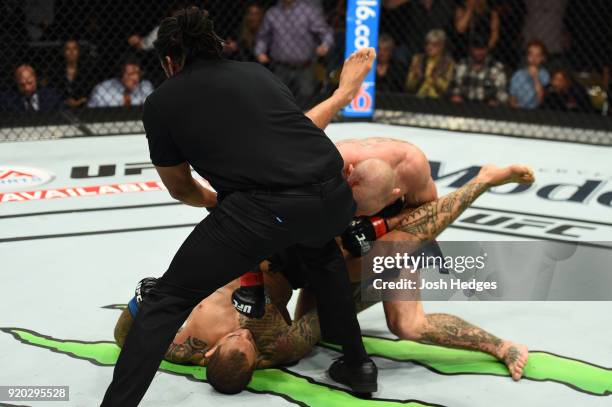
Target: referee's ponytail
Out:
[187,35]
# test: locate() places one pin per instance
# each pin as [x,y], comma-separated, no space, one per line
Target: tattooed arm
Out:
[191,351]
[429,220]
[292,342]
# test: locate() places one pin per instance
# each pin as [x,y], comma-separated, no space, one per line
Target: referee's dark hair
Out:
[187,35]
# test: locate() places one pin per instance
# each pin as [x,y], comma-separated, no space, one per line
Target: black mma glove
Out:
[363,230]
[250,298]
[143,288]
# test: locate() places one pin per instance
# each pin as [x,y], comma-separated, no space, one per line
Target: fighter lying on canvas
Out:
[215,331]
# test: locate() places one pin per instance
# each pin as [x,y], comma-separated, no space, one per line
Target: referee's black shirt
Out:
[238,126]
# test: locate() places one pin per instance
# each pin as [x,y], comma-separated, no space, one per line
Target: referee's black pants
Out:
[244,229]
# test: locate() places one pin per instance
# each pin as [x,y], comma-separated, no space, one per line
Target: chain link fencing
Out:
[532,68]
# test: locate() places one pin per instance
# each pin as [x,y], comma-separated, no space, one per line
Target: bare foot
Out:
[494,175]
[515,357]
[354,71]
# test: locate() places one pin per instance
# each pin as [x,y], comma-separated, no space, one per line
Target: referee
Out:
[279,184]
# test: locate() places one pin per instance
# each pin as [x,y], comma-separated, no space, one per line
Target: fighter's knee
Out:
[407,326]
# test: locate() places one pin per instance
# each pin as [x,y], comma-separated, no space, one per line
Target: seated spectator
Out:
[431,73]
[72,78]
[389,71]
[479,77]
[293,34]
[565,95]
[475,18]
[527,86]
[127,90]
[28,96]
[242,46]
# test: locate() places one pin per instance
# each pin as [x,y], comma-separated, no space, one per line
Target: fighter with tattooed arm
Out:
[216,335]
[232,345]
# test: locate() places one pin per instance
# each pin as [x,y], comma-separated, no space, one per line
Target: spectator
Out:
[544,22]
[475,18]
[293,34]
[72,78]
[527,86]
[408,21]
[127,90]
[242,46]
[479,77]
[389,71]
[431,73]
[29,97]
[565,95]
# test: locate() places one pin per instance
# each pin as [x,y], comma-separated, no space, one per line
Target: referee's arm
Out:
[183,187]
[170,163]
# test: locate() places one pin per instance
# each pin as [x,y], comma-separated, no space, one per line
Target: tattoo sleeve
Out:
[191,351]
[294,341]
[449,330]
[429,220]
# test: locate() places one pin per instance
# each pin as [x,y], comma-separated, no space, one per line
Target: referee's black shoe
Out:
[360,377]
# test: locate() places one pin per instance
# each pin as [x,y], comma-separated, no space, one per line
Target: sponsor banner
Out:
[93,190]
[362,31]
[18,178]
[487,271]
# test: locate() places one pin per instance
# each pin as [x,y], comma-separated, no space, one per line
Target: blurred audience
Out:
[28,96]
[293,34]
[140,43]
[480,78]
[527,86]
[565,95]
[544,22]
[408,21]
[242,45]
[72,76]
[509,49]
[389,71]
[127,90]
[431,73]
[476,19]
[39,15]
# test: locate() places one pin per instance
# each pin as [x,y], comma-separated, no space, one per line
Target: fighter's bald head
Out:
[373,185]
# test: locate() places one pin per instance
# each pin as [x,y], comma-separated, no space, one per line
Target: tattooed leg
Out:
[449,330]
[429,220]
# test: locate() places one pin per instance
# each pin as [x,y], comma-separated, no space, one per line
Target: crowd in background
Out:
[525,54]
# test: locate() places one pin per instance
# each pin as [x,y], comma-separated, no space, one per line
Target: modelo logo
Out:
[15,178]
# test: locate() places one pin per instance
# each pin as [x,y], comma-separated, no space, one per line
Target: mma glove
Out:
[250,299]
[143,288]
[362,231]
